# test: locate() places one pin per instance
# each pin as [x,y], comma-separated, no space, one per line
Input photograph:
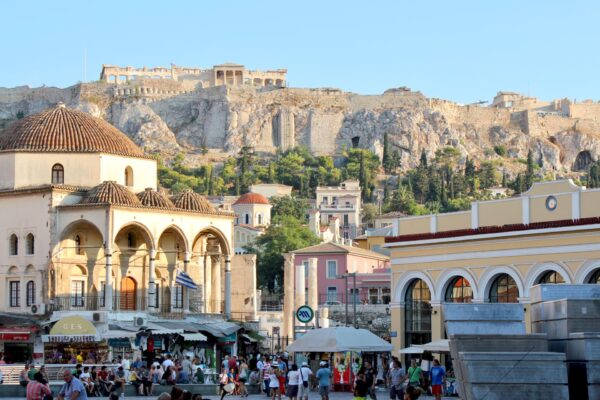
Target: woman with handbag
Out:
[293,382]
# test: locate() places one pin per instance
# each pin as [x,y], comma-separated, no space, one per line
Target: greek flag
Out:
[184,280]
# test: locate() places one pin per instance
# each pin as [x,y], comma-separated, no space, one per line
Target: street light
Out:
[345,277]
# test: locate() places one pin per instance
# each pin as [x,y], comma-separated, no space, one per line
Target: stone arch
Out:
[91,239]
[137,226]
[172,252]
[583,161]
[406,279]
[14,270]
[446,278]
[585,272]
[13,245]
[220,236]
[30,269]
[486,280]
[128,176]
[539,269]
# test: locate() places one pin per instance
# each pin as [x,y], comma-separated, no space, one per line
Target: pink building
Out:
[333,260]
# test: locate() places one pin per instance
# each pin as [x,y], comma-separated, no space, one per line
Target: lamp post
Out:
[345,277]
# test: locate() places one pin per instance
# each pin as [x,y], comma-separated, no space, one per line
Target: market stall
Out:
[71,336]
[344,348]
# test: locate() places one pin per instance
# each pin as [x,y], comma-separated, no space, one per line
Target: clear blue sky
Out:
[460,50]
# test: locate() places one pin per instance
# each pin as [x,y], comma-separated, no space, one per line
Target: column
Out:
[300,286]
[151,281]
[208,284]
[186,291]
[215,263]
[313,287]
[227,286]
[288,299]
[397,326]
[437,323]
[108,289]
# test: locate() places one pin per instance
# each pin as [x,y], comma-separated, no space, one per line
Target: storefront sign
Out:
[70,338]
[74,325]
[119,342]
[14,337]
[228,339]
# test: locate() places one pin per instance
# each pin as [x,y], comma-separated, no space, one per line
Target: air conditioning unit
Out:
[99,317]
[140,321]
[38,309]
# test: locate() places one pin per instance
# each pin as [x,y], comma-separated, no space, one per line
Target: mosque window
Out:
[15,295]
[551,277]
[13,245]
[129,177]
[178,300]
[595,278]
[504,290]
[131,240]
[247,219]
[30,293]
[58,174]
[260,219]
[78,245]
[459,291]
[30,244]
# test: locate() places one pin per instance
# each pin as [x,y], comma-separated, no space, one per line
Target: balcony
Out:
[334,206]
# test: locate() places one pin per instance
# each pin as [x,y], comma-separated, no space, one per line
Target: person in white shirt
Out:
[274,383]
[168,362]
[293,382]
[304,386]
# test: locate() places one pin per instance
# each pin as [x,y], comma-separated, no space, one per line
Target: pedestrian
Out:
[223,381]
[293,377]
[396,379]
[265,371]
[24,376]
[274,390]
[38,388]
[360,387]
[324,377]
[73,389]
[370,379]
[243,378]
[437,377]
[414,374]
[304,387]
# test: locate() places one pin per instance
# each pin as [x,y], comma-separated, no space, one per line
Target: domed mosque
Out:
[88,234]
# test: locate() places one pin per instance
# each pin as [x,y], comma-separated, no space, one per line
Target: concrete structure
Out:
[495,252]
[218,75]
[88,233]
[271,189]
[342,202]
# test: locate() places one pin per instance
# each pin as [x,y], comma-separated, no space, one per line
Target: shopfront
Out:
[73,336]
[17,343]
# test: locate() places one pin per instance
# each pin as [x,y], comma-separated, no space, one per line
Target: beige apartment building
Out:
[342,202]
[494,252]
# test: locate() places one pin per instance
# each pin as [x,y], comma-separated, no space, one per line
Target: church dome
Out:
[61,129]
[251,198]
[191,201]
[152,198]
[110,192]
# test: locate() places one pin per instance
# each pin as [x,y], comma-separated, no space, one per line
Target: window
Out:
[373,295]
[459,291]
[417,313]
[334,200]
[354,296]
[325,200]
[345,219]
[260,221]
[30,293]
[58,174]
[78,245]
[332,294]
[551,277]
[178,301]
[30,244]
[129,176]
[157,295]
[13,245]
[15,295]
[77,293]
[131,240]
[504,290]
[386,295]
[306,272]
[247,219]
[595,278]
[331,269]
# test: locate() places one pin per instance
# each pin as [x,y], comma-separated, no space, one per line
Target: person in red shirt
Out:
[37,388]
[103,381]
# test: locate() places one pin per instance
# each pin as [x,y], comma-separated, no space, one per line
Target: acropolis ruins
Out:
[218,75]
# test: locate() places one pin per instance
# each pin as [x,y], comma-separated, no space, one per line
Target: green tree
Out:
[529,174]
[289,169]
[470,175]
[285,234]
[369,212]
[488,176]
[287,205]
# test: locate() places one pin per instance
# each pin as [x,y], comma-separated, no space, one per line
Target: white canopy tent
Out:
[437,346]
[332,340]
[411,350]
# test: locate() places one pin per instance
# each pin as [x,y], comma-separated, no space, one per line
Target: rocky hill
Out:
[162,117]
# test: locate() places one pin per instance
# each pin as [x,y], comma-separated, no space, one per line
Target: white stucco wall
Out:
[112,168]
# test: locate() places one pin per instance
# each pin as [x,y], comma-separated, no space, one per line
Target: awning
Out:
[71,338]
[339,339]
[437,346]
[411,350]
[248,338]
[194,337]
[118,334]
[219,329]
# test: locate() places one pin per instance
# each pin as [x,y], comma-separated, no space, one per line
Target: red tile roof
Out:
[252,198]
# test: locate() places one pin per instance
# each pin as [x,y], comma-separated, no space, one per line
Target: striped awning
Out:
[194,337]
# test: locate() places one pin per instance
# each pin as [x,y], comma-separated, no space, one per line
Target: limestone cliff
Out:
[161,117]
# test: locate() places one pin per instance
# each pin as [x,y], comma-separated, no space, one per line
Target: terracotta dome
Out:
[61,129]
[251,198]
[110,192]
[152,198]
[191,201]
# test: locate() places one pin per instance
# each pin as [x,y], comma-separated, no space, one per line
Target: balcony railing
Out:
[336,206]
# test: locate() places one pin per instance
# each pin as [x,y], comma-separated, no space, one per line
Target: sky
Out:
[464,51]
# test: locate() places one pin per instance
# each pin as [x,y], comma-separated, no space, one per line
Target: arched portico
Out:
[586,271]
[538,271]
[172,256]
[447,277]
[487,279]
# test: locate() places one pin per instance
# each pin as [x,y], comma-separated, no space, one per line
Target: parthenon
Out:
[218,75]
